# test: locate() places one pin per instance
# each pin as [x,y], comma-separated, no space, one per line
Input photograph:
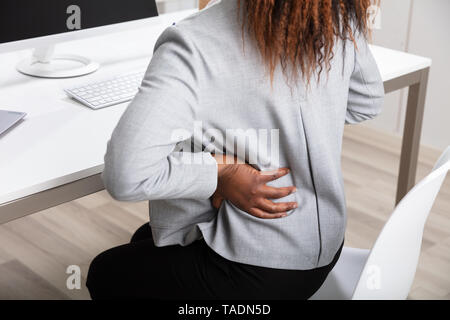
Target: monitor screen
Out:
[26,19]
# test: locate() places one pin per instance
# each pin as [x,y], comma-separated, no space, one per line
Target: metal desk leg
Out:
[411,135]
[50,198]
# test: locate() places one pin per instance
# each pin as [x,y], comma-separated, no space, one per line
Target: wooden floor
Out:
[35,251]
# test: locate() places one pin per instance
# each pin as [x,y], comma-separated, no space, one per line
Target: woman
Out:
[272,83]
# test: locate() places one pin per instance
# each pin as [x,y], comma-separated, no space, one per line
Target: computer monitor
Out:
[41,24]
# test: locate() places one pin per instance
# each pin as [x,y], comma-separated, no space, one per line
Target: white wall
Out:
[165,6]
[420,27]
[430,37]
[393,34]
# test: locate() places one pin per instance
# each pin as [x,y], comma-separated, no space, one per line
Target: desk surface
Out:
[61,141]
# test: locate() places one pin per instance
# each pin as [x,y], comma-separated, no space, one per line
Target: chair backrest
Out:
[392,263]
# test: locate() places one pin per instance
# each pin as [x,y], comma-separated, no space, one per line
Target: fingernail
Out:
[294,190]
[294,206]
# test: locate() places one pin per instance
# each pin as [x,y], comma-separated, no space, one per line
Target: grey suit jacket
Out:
[203,83]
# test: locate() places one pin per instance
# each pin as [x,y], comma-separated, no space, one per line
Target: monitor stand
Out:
[45,64]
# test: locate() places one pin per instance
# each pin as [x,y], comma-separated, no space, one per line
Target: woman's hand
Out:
[246,188]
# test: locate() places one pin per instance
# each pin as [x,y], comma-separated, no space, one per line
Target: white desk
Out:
[56,154]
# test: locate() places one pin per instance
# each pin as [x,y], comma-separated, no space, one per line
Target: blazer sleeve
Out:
[142,162]
[366,90]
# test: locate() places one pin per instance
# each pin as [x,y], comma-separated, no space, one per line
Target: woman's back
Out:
[219,91]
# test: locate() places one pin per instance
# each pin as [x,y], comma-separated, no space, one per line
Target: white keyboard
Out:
[109,92]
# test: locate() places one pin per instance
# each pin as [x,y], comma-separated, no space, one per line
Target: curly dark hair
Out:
[302,33]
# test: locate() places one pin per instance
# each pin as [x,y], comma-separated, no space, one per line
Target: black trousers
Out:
[140,270]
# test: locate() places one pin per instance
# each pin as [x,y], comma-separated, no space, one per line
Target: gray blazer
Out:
[202,83]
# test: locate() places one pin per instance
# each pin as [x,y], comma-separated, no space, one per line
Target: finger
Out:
[266,215]
[267,176]
[276,193]
[272,207]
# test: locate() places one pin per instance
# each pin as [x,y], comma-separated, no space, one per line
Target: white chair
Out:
[387,270]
